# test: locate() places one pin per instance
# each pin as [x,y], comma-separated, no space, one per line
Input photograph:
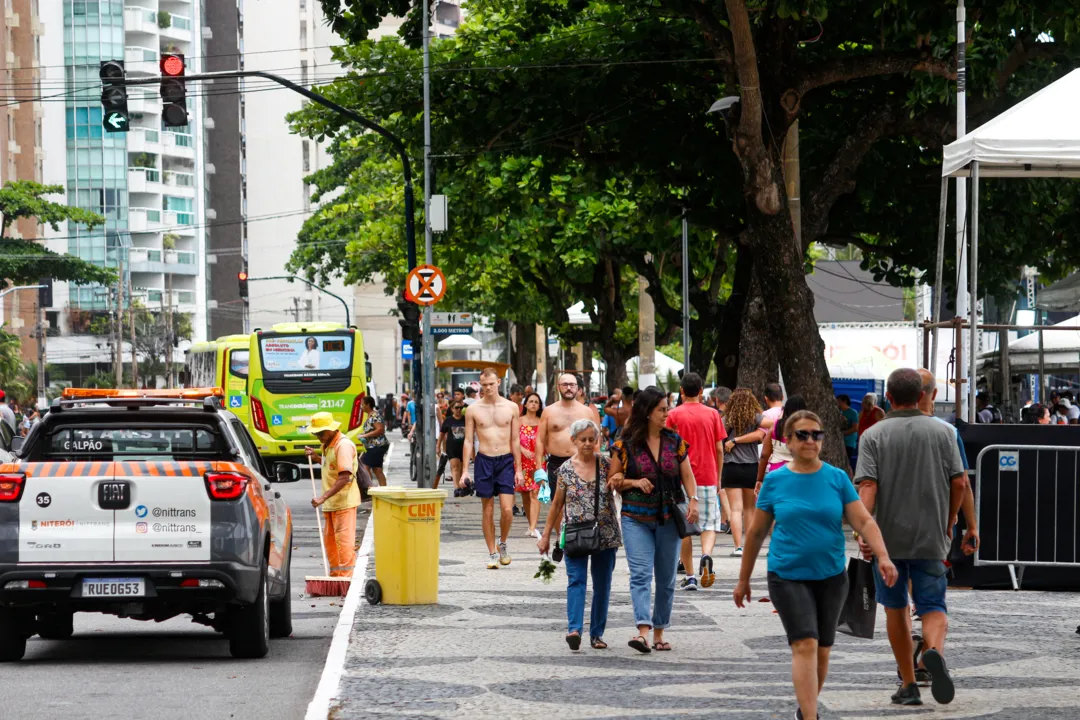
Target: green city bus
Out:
[296,370]
[222,363]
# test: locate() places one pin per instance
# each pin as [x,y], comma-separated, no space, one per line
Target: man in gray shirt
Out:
[912,479]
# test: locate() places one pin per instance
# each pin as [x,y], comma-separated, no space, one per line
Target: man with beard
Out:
[553,435]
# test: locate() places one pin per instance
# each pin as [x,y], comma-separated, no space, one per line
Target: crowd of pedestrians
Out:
[648,477]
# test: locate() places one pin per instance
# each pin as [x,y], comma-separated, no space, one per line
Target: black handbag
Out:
[583,538]
[678,516]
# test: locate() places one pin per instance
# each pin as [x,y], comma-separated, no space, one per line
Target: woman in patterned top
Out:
[649,468]
[375,441]
[578,479]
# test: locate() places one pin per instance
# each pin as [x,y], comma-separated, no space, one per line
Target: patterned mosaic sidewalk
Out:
[493,648]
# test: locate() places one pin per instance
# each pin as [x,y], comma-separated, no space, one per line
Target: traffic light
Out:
[45,298]
[114,96]
[242,277]
[173,91]
[410,320]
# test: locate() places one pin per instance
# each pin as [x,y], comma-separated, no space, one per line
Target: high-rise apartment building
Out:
[21,156]
[148,182]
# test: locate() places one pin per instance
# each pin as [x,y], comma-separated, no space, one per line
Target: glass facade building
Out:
[96,160]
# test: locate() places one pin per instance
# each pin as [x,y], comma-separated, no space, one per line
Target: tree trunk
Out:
[727,356]
[615,357]
[523,352]
[757,344]
[789,304]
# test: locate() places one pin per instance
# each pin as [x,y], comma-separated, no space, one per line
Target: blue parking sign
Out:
[236,401]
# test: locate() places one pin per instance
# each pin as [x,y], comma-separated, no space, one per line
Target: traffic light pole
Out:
[340,299]
[398,145]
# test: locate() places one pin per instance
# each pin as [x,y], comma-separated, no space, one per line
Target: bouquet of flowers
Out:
[546,572]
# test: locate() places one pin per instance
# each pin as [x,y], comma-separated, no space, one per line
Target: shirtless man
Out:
[553,435]
[496,422]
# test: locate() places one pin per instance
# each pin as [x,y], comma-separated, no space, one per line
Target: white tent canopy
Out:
[1039,137]
[460,342]
[1061,350]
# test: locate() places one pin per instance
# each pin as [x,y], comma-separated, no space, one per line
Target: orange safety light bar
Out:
[178,394]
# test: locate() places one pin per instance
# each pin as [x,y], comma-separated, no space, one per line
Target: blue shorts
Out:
[928,585]
[493,475]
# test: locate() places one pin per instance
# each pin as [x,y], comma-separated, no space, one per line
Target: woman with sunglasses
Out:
[807,577]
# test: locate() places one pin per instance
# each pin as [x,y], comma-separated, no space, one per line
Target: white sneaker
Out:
[493,561]
[537,534]
[504,554]
[737,552]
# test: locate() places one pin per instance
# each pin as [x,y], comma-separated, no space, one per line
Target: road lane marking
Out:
[330,681]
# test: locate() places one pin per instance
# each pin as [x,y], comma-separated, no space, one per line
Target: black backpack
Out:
[995,415]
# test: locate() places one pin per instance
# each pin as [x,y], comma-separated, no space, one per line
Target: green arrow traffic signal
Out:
[115,122]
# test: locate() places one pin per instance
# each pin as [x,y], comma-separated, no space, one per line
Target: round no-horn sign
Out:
[425,285]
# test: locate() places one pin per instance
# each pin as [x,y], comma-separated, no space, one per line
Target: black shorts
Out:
[554,462]
[739,475]
[809,608]
[374,457]
[493,475]
[455,452]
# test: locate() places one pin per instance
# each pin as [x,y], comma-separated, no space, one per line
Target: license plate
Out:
[113,587]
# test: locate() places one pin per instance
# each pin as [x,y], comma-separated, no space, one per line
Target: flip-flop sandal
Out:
[598,644]
[640,645]
[708,577]
[662,646]
[573,640]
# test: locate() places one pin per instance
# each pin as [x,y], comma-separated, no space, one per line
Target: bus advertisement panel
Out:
[296,370]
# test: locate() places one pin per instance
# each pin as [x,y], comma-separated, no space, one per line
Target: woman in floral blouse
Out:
[578,481]
[649,467]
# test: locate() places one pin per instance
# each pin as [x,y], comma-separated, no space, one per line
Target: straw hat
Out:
[321,421]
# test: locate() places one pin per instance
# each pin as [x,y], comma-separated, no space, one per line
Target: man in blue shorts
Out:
[912,479]
[496,422]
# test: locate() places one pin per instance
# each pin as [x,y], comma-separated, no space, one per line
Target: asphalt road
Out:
[114,668]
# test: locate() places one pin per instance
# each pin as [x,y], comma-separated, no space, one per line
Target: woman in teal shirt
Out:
[807,578]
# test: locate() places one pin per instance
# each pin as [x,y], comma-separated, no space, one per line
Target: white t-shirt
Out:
[1073,413]
[310,359]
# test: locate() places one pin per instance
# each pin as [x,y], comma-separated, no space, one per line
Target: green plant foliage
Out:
[23,261]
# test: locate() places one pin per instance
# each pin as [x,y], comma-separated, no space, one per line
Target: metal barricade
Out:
[1026,506]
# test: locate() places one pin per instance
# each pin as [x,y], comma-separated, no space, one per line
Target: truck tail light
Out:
[357,412]
[225,485]
[258,415]
[11,486]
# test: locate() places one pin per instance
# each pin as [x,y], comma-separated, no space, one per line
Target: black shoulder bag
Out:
[583,538]
[679,510]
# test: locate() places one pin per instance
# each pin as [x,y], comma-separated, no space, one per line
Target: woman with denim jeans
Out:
[649,467]
[578,481]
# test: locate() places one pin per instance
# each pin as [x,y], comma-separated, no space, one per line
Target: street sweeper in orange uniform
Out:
[340,493]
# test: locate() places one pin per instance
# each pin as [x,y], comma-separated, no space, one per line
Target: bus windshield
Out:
[306,362]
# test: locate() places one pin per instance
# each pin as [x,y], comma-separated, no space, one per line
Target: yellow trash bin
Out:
[407,523]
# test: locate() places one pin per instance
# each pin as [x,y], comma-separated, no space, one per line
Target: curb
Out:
[330,681]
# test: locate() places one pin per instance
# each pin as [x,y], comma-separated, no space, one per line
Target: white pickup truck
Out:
[145,505]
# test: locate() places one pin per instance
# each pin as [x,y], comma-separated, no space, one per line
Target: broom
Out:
[325,586]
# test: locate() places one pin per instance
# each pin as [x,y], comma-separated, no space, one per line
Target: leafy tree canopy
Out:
[24,261]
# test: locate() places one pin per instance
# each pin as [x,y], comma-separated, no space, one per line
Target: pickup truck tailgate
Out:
[60,518]
[168,519]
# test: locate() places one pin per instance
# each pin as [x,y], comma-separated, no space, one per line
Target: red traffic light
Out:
[241,276]
[172,65]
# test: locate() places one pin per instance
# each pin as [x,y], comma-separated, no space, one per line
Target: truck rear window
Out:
[131,444]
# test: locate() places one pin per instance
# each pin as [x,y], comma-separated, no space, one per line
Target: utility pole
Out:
[427,394]
[686,295]
[169,335]
[39,333]
[131,319]
[296,309]
[646,336]
[119,363]
[961,188]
